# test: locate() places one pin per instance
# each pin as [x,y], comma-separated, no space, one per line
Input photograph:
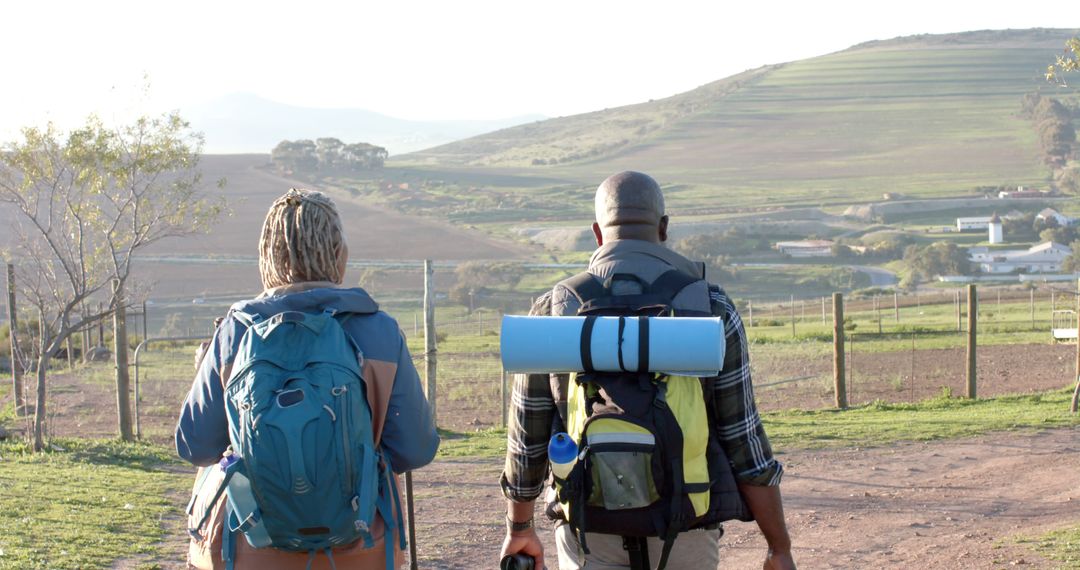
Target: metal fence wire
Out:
[899,347]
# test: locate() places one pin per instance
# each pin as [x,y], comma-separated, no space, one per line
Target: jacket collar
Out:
[298,287]
[620,248]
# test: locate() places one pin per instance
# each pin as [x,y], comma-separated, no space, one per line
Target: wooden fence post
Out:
[13,325]
[958,325]
[86,338]
[793,316]
[430,348]
[973,323]
[1032,306]
[120,358]
[896,306]
[839,385]
[877,311]
[101,327]
[750,310]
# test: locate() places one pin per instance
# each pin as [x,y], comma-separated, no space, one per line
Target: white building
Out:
[806,248]
[995,230]
[1046,257]
[970,224]
[1050,213]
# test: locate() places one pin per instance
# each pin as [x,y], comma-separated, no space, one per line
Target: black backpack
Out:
[633,478]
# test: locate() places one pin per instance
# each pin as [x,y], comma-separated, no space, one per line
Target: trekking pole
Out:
[411,522]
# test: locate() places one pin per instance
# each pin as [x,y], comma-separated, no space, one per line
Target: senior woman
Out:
[302,257]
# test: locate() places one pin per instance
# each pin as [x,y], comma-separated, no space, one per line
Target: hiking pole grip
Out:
[411,521]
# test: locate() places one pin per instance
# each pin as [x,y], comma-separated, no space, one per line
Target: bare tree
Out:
[86,203]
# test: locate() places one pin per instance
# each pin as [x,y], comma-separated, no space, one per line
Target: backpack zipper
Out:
[341,391]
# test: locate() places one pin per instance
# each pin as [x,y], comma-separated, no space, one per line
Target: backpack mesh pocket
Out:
[621,469]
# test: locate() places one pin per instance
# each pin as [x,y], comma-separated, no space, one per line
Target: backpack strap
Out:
[671,282]
[584,286]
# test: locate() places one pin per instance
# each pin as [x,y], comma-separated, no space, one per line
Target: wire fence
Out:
[899,347]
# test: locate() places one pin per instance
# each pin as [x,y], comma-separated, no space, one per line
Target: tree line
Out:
[326,155]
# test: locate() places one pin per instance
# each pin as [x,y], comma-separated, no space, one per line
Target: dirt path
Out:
[954,504]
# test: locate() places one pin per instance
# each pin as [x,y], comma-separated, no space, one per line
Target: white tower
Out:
[995,230]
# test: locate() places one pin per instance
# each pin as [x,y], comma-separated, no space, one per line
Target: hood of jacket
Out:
[310,297]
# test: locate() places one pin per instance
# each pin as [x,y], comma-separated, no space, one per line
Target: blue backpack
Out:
[302,472]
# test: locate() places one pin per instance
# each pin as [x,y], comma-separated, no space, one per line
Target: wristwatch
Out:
[514,526]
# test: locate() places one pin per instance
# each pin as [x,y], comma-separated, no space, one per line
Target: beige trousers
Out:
[696,549]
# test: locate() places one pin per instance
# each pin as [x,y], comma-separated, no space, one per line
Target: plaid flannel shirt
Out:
[534,416]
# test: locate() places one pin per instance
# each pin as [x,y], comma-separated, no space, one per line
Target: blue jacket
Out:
[400,411]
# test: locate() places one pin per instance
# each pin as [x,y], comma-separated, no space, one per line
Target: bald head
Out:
[630,205]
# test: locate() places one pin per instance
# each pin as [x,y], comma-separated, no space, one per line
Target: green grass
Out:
[871,425]
[1062,545]
[83,503]
[481,443]
[944,417]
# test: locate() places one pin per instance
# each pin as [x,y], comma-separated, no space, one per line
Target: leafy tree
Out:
[1020,228]
[1072,263]
[889,246]
[479,277]
[842,251]
[1066,234]
[1067,62]
[940,258]
[294,156]
[326,154]
[86,204]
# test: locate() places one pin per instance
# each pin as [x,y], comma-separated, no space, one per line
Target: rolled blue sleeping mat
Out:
[685,346]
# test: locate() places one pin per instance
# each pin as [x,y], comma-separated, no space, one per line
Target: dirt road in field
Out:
[954,504]
[957,504]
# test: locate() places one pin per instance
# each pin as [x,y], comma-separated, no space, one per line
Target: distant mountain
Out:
[246,123]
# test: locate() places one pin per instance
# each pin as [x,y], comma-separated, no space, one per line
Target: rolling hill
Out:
[922,116]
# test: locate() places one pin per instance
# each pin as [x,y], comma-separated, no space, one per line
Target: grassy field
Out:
[123,492]
[927,117]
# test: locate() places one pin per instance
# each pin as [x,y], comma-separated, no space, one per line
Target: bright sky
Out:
[437,59]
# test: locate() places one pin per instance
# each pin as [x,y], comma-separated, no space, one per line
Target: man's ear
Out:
[598,234]
[662,229]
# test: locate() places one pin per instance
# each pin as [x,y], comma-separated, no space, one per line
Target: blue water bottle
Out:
[562,452]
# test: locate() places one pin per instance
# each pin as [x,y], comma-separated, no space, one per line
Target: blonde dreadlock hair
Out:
[302,240]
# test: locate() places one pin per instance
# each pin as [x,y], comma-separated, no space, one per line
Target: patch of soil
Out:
[933,505]
[888,376]
[956,504]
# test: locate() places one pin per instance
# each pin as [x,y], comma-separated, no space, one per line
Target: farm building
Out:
[806,248]
[1046,257]
[1051,214]
[1022,192]
[971,224]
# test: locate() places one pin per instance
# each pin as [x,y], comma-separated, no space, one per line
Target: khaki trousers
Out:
[695,549]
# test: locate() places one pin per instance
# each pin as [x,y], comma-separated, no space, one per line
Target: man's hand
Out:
[525,542]
[779,561]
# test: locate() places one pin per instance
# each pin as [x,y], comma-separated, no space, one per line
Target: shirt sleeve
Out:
[529,420]
[409,436]
[739,425]
[202,431]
